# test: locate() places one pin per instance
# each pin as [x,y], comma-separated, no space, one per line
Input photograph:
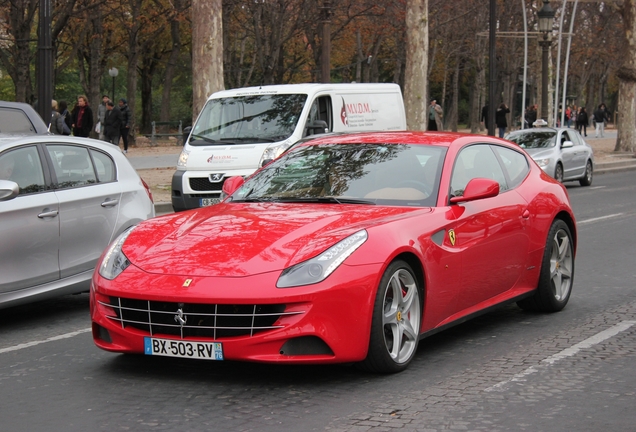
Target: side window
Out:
[72,165]
[565,136]
[104,166]
[15,121]
[320,109]
[476,161]
[515,164]
[23,166]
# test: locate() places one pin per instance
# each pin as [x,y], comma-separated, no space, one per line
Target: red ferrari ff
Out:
[345,249]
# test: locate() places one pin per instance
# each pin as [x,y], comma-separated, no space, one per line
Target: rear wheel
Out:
[557,272]
[395,327]
[558,173]
[587,178]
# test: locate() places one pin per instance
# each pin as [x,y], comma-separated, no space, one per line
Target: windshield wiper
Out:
[254,139]
[329,200]
[206,139]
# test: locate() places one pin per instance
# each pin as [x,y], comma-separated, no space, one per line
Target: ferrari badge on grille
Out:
[451,236]
[187,282]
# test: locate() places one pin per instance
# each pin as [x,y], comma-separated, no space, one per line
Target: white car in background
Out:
[561,153]
[62,201]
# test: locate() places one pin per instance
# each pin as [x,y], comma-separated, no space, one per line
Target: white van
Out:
[238,130]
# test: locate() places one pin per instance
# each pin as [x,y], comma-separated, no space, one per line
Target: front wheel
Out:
[395,327]
[586,180]
[557,272]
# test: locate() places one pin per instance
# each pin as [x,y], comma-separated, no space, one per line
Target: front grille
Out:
[196,320]
[204,184]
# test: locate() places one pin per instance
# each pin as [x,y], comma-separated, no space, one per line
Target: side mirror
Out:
[186,134]
[8,190]
[478,188]
[567,144]
[317,127]
[232,184]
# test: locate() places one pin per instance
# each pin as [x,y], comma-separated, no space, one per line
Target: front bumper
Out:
[327,322]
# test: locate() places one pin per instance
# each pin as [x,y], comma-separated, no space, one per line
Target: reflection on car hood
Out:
[250,238]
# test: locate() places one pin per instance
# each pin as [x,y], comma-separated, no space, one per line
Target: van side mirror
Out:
[317,127]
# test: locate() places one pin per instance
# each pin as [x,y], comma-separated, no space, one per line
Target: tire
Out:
[558,173]
[586,180]
[397,314]
[557,272]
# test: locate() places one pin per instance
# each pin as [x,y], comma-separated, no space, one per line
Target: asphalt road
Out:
[507,370]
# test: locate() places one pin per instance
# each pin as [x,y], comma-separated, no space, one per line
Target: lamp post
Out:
[546,18]
[113,72]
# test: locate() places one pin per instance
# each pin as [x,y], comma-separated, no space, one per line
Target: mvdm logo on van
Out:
[353,108]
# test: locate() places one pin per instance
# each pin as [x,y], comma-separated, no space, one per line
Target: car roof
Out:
[444,139]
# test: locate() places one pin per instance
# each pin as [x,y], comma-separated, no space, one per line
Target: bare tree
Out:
[416,78]
[207,51]
[627,81]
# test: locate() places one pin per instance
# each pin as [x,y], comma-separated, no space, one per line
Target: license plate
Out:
[183,349]
[204,202]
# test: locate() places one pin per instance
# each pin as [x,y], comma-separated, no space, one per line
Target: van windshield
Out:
[248,119]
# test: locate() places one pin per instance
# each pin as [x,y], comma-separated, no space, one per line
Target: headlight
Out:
[542,162]
[115,261]
[183,159]
[272,152]
[318,268]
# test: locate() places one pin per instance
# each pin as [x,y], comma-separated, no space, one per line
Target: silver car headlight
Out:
[115,261]
[542,162]
[183,159]
[272,152]
[318,268]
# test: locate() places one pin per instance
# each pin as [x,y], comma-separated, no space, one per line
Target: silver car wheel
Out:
[561,265]
[401,318]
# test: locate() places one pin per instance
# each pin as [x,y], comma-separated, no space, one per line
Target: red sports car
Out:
[345,249]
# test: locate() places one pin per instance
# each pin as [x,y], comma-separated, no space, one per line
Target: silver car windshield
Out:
[248,119]
[385,174]
[530,140]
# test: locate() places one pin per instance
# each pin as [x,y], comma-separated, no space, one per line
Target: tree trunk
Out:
[172,62]
[453,113]
[416,77]
[626,123]
[207,51]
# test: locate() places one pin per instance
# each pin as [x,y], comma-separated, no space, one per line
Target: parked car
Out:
[561,152]
[62,201]
[21,119]
[345,249]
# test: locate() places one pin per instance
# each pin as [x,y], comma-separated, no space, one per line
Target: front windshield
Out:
[385,174]
[248,119]
[530,140]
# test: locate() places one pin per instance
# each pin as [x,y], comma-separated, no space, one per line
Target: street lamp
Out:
[113,72]
[546,19]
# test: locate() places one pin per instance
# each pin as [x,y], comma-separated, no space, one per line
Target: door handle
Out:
[110,203]
[47,213]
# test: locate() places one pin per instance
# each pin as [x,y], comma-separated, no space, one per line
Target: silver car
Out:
[561,152]
[62,201]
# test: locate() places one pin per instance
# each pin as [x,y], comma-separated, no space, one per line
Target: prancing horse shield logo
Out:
[451,236]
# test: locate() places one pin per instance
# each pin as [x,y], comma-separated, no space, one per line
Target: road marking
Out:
[599,218]
[597,187]
[568,352]
[51,339]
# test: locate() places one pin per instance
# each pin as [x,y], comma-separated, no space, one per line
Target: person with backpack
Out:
[582,120]
[57,121]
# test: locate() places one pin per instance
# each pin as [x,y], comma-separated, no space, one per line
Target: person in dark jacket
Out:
[125,122]
[600,117]
[112,123]
[82,117]
[63,109]
[581,121]
[500,119]
[57,121]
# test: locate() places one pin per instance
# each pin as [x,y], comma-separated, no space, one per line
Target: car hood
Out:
[241,239]
[540,153]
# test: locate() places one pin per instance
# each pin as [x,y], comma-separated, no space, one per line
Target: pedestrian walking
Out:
[57,121]
[101,115]
[82,117]
[582,120]
[112,123]
[125,122]
[600,117]
[500,119]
